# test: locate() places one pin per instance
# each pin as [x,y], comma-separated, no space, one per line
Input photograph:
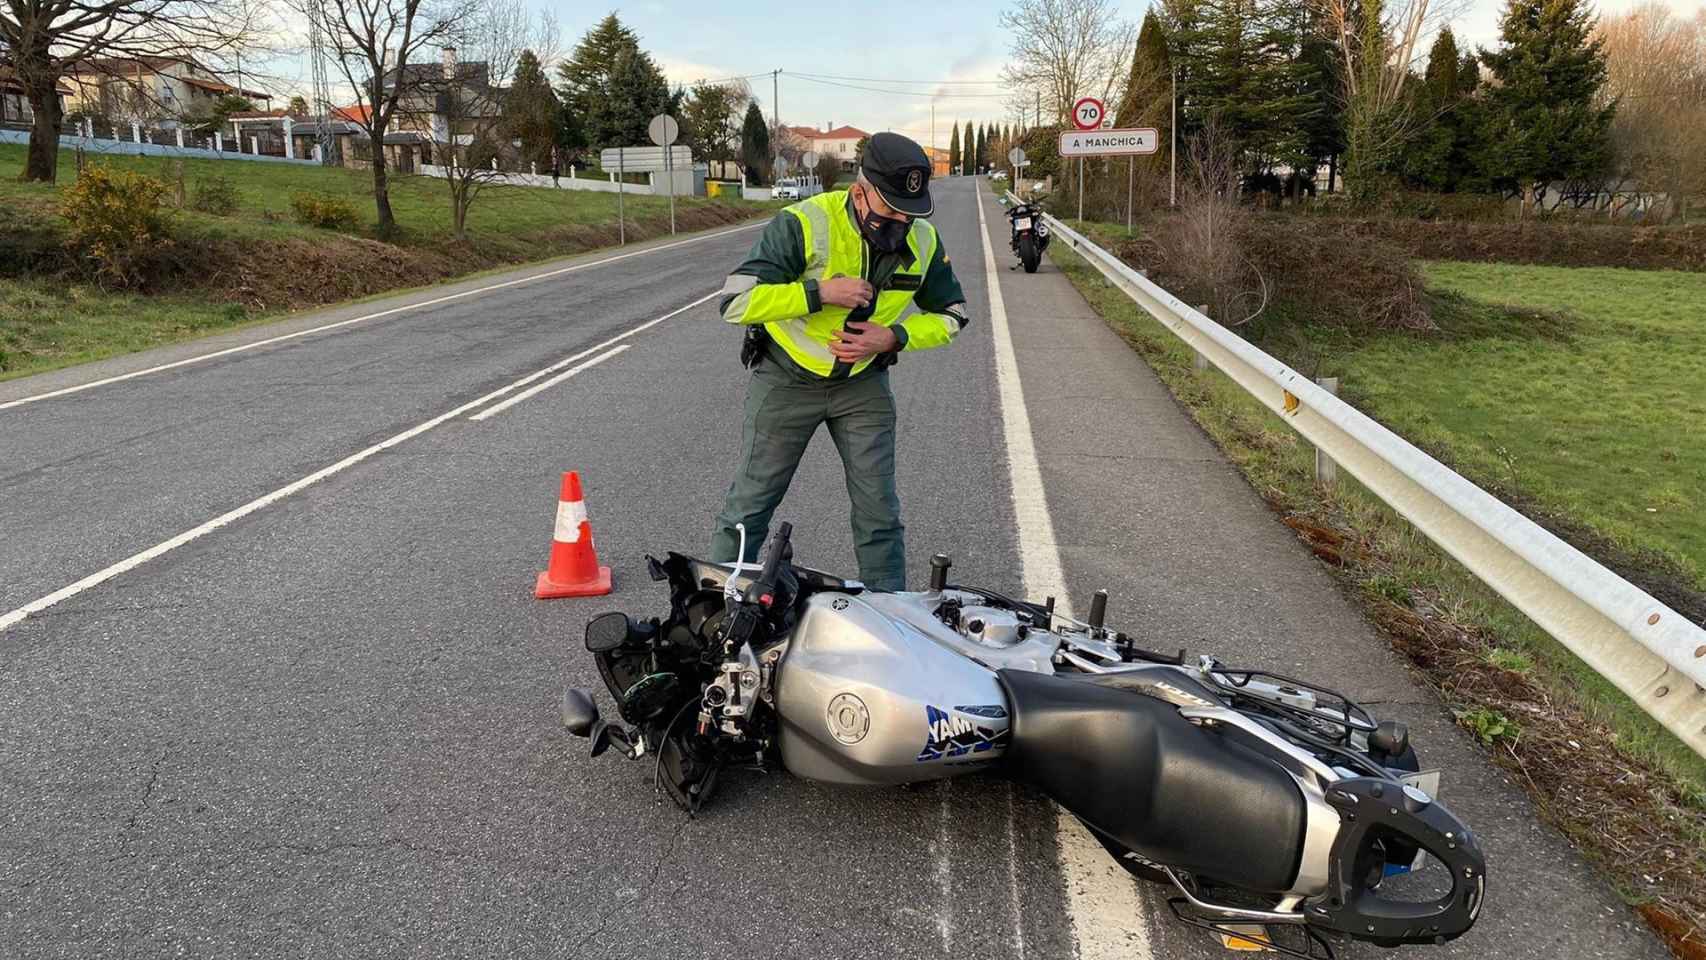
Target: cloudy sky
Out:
[848,64]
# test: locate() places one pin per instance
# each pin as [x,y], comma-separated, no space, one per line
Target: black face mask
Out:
[885,234]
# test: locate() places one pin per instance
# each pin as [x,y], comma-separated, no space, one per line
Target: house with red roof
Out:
[832,141]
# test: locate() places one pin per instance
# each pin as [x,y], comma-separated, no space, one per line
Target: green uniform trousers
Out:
[783,411]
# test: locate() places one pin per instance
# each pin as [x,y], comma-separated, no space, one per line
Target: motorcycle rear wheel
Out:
[1029,255]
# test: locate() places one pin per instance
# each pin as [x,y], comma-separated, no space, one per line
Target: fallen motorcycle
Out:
[1279,812]
[1029,235]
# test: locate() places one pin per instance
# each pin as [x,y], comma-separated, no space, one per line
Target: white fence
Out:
[659,185]
[128,148]
[1651,652]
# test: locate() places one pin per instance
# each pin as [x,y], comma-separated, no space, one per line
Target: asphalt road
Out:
[327,727]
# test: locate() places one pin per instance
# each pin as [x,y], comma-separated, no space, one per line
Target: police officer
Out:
[821,296]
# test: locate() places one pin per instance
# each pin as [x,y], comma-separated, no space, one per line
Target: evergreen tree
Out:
[613,86]
[1439,155]
[968,148]
[1242,65]
[1544,120]
[1148,87]
[979,148]
[531,110]
[755,145]
[954,151]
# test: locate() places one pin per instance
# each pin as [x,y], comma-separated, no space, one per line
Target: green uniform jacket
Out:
[817,239]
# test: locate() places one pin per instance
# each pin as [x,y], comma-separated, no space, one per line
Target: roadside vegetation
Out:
[215,244]
[1571,393]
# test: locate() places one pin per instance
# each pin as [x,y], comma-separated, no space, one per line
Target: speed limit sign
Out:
[1087,113]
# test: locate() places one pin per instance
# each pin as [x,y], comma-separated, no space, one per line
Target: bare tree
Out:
[1065,49]
[42,41]
[1656,71]
[1205,244]
[458,106]
[373,43]
[1378,45]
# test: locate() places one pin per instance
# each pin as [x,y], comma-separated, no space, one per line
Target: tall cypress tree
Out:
[1438,155]
[755,145]
[531,110]
[968,149]
[954,151]
[1544,119]
[1148,86]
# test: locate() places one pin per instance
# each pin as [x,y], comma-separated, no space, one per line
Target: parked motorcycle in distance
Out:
[1030,234]
[1280,814]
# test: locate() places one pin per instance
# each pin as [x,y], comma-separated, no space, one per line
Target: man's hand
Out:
[849,292]
[862,340]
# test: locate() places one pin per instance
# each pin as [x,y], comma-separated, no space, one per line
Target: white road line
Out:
[371,316]
[165,546]
[944,872]
[1013,898]
[1109,919]
[559,378]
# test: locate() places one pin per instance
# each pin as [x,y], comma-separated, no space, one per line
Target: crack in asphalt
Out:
[143,802]
[657,869]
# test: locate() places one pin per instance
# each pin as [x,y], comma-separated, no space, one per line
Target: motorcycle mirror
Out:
[580,713]
[607,631]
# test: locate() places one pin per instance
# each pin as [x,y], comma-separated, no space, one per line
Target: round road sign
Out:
[663,129]
[1016,156]
[1087,113]
[808,159]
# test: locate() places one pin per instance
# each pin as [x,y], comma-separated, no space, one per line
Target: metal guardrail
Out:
[1651,652]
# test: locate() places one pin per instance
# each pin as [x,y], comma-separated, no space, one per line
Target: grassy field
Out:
[260,264]
[502,215]
[1578,393]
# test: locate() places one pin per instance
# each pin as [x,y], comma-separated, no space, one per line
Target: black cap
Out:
[900,171]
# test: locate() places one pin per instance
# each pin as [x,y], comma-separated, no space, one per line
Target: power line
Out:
[903,93]
[831,76]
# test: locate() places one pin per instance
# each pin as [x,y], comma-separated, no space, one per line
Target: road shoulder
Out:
[1146,506]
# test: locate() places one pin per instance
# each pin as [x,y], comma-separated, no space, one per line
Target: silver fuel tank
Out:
[869,693]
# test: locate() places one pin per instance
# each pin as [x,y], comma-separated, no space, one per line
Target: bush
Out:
[116,219]
[321,210]
[215,195]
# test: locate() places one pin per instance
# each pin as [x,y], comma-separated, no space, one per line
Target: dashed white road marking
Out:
[7,405]
[559,378]
[1109,919]
[135,560]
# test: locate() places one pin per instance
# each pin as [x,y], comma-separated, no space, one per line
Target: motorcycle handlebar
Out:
[774,548]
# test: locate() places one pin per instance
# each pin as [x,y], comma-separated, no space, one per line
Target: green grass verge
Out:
[1403,564]
[57,320]
[57,324]
[508,217]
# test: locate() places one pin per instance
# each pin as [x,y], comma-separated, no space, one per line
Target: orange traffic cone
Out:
[573,570]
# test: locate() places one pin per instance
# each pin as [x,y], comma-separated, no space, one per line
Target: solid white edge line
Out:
[7,405]
[135,560]
[1109,918]
[559,378]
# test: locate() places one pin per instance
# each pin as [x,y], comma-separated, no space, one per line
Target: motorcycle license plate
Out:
[1022,223]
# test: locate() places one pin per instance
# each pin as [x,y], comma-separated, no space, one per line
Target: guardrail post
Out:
[1326,471]
[1199,363]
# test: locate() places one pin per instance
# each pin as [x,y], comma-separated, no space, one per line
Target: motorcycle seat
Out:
[1149,780]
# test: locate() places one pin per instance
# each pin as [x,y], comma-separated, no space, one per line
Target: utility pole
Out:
[776,111]
[1173,151]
